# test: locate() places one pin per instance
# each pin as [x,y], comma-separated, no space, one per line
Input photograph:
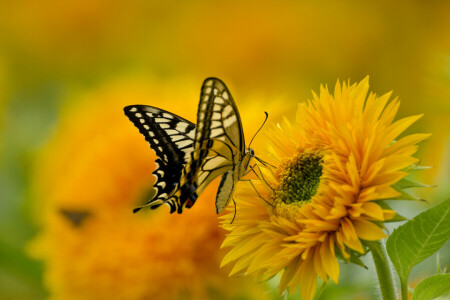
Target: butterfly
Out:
[190,156]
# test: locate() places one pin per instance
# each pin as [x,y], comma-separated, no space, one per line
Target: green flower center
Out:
[299,178]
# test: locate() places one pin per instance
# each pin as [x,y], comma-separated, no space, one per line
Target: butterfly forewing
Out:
[171,137]
[217,116]
[219,140]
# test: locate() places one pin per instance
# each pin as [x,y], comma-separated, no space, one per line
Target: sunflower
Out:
[335,166]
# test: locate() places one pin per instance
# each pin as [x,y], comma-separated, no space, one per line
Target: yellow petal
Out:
[308,280]
[388,214]
[318,266]
[329,260]
[373,210]
[368,231]
[349,236]
[287,276]
[399,126]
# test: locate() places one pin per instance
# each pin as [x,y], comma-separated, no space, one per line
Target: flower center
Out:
[299,178]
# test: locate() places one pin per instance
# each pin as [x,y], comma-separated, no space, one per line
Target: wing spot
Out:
[146,127]
[175,138]
[181,126]
[230,121]
[182,144]
[216,116]
[139,115]
[156,141]
[215,124]
[133,109]
[171,131]
[164,125]
[227,111]
[162,184]
[151,134]
[152,109]
[225,95]
[213,163]
[191,134]
[142,121]
[168,116]
[160,148]
[161,120]
[216,132]
[149,114]
[219,100]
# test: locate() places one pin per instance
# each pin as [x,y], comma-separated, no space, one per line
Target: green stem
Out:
[385,278]
[404,287]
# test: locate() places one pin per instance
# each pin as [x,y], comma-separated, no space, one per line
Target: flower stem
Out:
[404,287]
[384,273]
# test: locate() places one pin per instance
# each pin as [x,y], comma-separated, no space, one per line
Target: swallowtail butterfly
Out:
[189,156]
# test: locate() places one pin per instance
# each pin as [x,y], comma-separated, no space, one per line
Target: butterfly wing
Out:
[225,190]
[171,137]
[219,142]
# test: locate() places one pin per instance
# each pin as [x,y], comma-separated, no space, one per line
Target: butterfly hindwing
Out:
[225,190]
[171,137]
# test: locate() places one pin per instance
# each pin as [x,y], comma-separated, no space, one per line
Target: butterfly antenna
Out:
[267,115]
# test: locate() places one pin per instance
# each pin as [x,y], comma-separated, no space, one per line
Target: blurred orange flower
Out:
[94,172]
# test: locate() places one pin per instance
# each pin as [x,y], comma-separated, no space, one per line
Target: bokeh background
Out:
[72,166]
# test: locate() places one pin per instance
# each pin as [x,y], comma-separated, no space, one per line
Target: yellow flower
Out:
[334,166]
[96,169]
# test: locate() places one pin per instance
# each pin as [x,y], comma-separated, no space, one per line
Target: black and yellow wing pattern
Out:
[171,137]
[189,156]
[219,146]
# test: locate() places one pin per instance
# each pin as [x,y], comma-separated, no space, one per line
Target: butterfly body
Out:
[189,156]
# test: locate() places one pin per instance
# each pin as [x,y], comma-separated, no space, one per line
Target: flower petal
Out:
[368,231]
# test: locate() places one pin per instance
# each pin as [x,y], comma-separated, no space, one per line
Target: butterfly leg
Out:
[235,211]
[252,169]
[259,195]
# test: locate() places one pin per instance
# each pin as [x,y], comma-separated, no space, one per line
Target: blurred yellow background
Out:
[68,67]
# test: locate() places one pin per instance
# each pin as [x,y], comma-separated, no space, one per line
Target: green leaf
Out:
[420,168]
[354,258]
[397,218]
[406,183]
[405,195]
[432,287]
[417,167]
[419,238]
